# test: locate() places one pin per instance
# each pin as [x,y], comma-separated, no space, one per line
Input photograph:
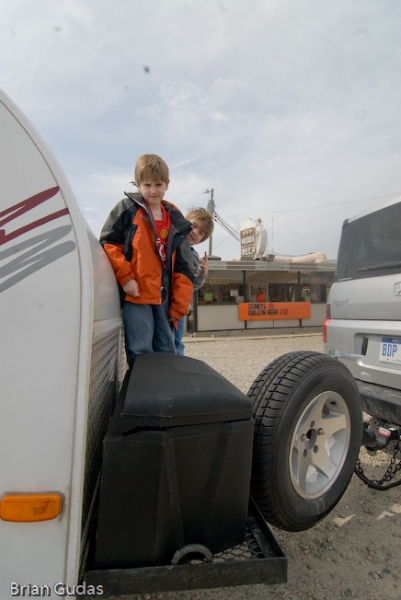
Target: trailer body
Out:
[60,359]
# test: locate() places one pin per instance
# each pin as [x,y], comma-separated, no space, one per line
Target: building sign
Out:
[218,280]
[248,242]
[265,311]
[253,238]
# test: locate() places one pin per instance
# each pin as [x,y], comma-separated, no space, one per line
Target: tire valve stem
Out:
[320,431]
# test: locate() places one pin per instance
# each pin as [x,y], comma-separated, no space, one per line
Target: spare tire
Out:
[308,432]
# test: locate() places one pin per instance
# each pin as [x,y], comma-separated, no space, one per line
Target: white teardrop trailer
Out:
[97,495]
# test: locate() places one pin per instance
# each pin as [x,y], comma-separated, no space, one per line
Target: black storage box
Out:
[176,464]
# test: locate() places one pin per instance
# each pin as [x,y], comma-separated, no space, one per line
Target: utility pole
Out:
[210,208]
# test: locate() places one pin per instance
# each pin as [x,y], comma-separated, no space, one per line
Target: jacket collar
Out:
[181,224]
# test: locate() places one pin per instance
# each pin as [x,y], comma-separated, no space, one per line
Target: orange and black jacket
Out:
[129,239]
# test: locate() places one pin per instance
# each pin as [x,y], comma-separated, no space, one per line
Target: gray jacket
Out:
[194,265]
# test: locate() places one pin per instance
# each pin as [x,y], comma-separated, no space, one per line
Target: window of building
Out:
[222,287]
[233,286]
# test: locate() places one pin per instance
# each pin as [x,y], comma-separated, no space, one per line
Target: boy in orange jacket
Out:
[145,240]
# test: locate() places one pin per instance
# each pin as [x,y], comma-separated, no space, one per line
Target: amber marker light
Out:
[27,508]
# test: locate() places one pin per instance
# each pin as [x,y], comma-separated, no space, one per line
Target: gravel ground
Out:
[356,551]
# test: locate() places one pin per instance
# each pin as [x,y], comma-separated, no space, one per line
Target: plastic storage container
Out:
[176,464]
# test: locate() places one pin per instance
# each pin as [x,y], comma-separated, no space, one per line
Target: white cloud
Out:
[277,105]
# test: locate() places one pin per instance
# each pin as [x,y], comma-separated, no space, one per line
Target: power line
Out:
[222,242]
[316,206]
[226,226]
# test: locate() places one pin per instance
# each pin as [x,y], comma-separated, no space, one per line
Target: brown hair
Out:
[151,166]
[204,218]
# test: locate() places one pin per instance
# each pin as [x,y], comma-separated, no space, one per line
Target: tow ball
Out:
[384,436]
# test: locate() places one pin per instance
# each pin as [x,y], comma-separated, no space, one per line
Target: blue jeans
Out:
[178,333]
[147,329]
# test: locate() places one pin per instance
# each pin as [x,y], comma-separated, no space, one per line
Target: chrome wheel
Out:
[320,444]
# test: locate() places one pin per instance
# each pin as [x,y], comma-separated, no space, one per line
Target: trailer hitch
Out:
[374,442]
[384,436]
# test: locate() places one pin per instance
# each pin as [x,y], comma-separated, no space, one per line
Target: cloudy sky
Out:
[290,110]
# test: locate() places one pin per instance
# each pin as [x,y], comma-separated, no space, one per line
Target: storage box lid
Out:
[167,390]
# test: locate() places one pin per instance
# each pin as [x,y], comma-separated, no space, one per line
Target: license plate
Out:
[390,350]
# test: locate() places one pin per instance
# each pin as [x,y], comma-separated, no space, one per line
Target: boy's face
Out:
[153,191]
[197,234]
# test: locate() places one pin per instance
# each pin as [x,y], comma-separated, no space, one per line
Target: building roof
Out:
[271,265]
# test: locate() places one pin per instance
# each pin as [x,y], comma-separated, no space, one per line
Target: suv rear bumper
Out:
[381,402]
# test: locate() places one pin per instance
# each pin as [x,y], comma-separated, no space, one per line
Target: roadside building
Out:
[296,291]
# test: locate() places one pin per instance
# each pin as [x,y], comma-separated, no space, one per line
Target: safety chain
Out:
[378,484]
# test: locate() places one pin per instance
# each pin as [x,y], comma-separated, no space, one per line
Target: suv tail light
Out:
[325,324]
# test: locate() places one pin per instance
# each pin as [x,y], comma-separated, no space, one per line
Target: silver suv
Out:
[363,325]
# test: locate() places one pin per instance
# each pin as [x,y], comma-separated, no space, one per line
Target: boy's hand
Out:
[132,288]
[204,265]
[173,321]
